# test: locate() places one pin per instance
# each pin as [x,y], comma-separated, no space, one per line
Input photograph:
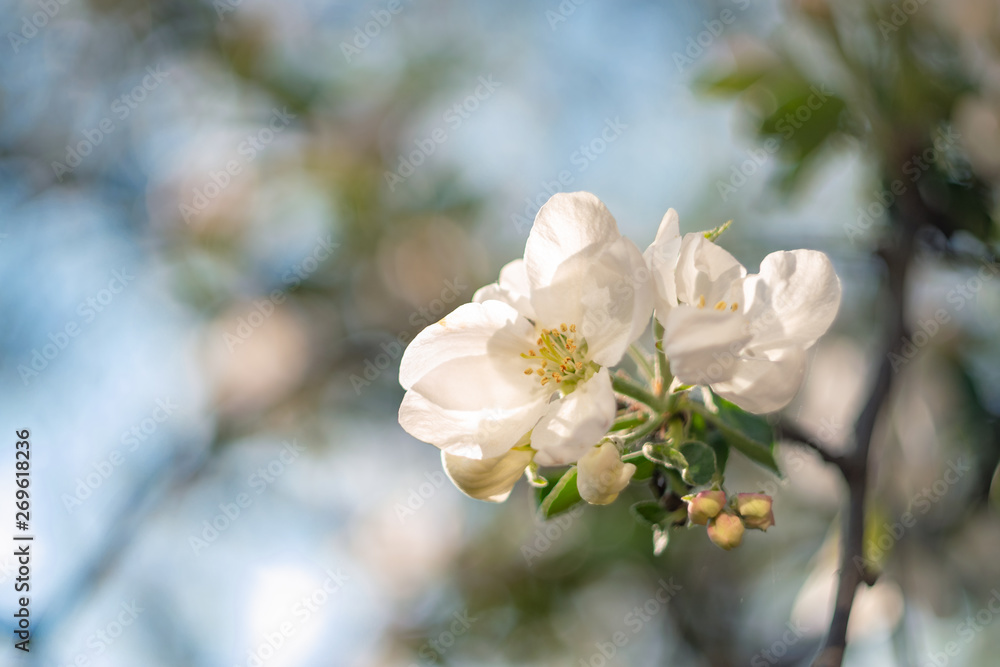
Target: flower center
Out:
[721,305]
[559,358]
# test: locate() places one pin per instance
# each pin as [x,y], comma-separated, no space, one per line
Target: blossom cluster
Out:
[521,377]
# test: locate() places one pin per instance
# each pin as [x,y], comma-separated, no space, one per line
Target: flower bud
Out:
[726,530]
[705,506]
[755,508]
[601,475]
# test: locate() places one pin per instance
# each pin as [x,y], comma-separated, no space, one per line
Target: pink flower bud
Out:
[705,506]
[755,508]
[726,530]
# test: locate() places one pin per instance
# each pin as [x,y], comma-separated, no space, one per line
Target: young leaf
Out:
[649,512]
[658,452]
[701,463]
[751,435]
[643,466]
[563,496]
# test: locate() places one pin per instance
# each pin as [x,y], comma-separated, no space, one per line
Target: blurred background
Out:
[223,220]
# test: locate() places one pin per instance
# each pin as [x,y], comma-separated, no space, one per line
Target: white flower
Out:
[528,356]
[601,475]
[744,336]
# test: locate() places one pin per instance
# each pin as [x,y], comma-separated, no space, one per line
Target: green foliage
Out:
[558,496]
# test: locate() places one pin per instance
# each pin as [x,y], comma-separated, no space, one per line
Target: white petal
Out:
[471,359]
[764,385]
[605,291]
[661,257]
[486,479]
[476,434]
[567,224]
[574,423]
[703,344]
[601,475]
[706,270]
[512,288]
[793,300]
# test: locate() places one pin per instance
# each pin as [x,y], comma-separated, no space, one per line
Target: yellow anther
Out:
[540,371]
[572,328]
[531,353]
[528,371]
[734,306]
[721,305]
[563,327]
[544,363]
[579,365]
[701,301]
[544,381]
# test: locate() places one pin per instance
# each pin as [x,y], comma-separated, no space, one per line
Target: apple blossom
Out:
[524,365]
[704,506]
[726,531]
[601,475]
[743,336]
[755,508]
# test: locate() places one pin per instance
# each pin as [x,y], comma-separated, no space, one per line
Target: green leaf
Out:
[659,452]
[751,435]
[643,466]
[731,83]
[562,496]
[649,512]
[701,463]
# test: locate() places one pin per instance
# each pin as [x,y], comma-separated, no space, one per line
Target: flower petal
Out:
[567,224]
[512,288]
[703,344]
[486,479]
[601,475]
[475,434]
[793,300]
[706,270]
[575,423]
[764,385]
[661,257]
[604,290]
[471,359]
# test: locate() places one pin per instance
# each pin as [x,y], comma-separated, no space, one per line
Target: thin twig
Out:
[793,433]
[856,466]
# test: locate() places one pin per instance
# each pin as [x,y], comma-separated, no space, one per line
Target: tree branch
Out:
[855,467]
